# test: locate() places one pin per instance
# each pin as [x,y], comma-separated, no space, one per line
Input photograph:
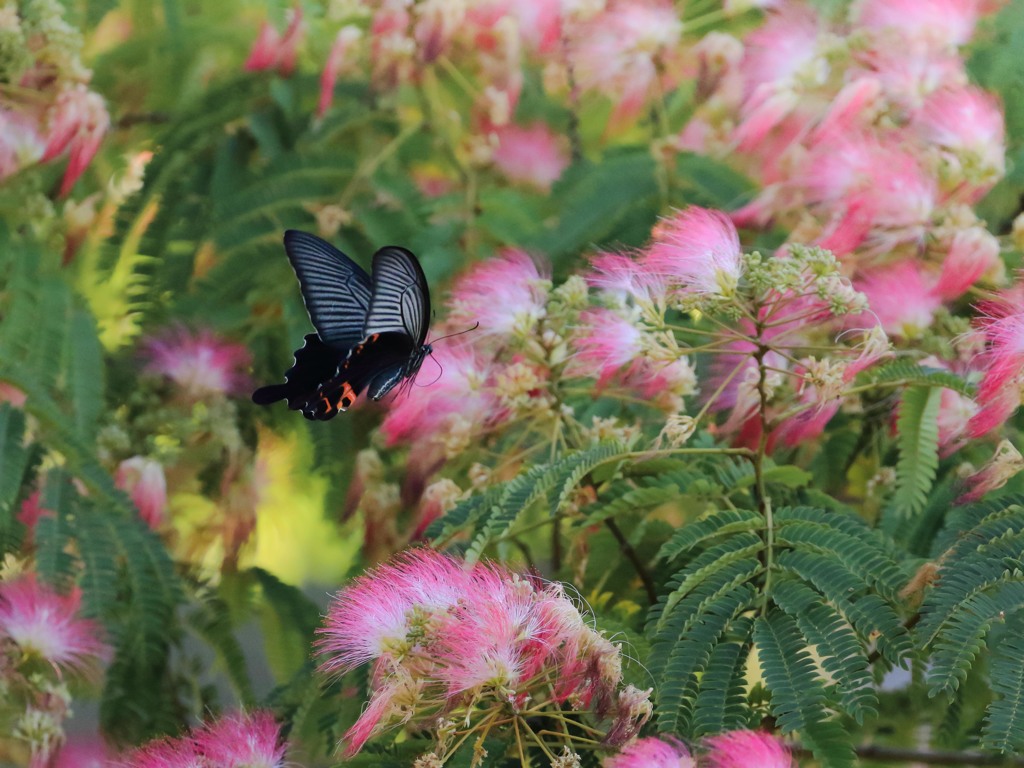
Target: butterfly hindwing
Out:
[315,363]
[335,289]
[400,302]
[376,365]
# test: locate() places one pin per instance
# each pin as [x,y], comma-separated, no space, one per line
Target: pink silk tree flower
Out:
[851,108]
[263,54]
[653,752]
[506,295]
[955,414]
[606,342]
[461,394]
[77,752]
[966,124]
[910,71]
[746,749]
[45,624]
[809,423]
[11,394]
[900,298]
[617,52]
[241,740]
[776,52]
[1002,325]
[943,24]
[337,59]
[972,252]
[532,155]
[21,142]
[880,184]
[238,740]
[441,634]
[393,702]
[377,614]
[288,52]
[32,510]
[272,50]
[143,479]
[1004,464]
[200,362]
[78,123]
[437,23]
[164,753]
[623,277]
[699,249]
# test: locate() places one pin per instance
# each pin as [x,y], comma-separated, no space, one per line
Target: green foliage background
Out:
[238,158]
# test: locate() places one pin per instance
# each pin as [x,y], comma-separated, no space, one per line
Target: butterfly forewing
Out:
[401,301]
[336,290]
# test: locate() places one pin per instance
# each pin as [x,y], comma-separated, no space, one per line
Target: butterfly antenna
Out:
[440,371]
[457,333]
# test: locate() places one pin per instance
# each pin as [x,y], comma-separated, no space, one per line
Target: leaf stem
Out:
[630,554]
[764,503]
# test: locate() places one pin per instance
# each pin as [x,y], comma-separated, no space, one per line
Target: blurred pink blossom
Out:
[46,624]
[900,297]
[264,49]
[966,124]
[143,479]
[199,362]
[506,295]
[32,510]
[533,155]
[272,50]
[955,414]
[999,394]
[624,277]
[83,751]
[1004,464]
[972,252]
[939,23]
[746,749]
[337,60]
[618,52]
[652,752]
[460,393]
[78,121]
[242,740]
[21,142]
[605,343]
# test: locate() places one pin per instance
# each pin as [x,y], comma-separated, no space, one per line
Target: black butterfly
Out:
[370,332]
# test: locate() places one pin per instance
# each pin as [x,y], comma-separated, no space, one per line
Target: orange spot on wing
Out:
[347,396]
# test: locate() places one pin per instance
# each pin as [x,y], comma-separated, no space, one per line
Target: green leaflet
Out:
[836,582]
[909,373]
[519,494]
[209,617]
[14,461]
[1004,726]
[980,587]
[613,200]
[798,695]
[919,449]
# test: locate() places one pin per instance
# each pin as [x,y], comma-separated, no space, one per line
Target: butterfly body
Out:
[370,331]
